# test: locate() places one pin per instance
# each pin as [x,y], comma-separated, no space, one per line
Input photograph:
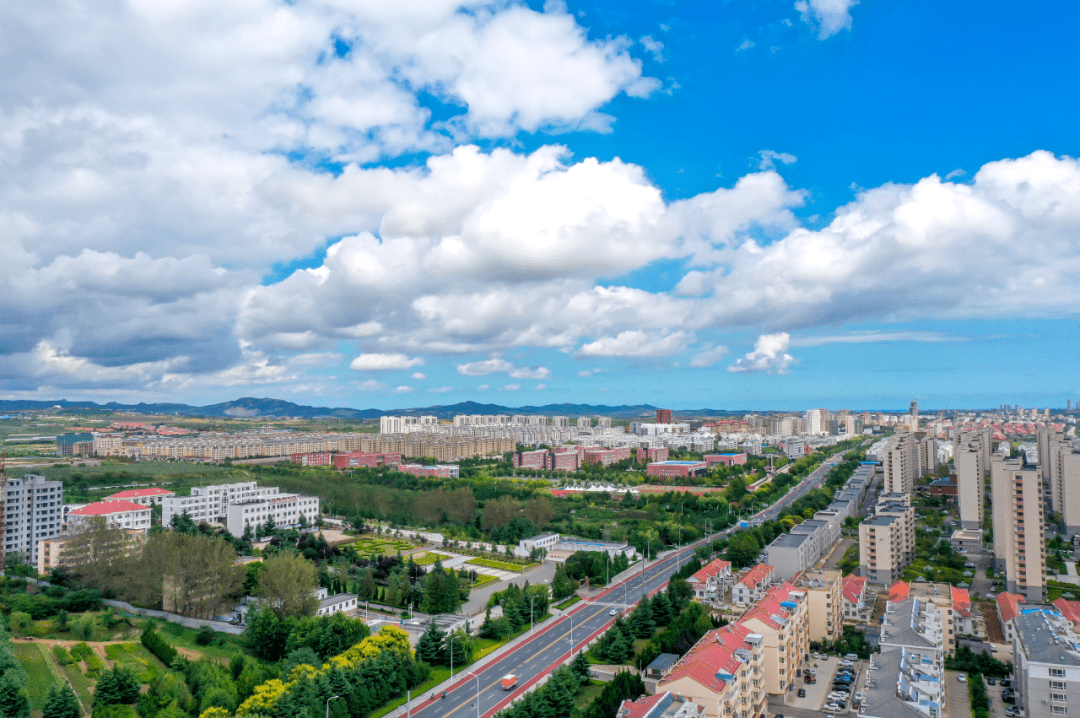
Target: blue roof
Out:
[676,463]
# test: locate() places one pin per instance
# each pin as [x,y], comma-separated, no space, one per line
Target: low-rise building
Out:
[443,471]
[340,603]
[781,618]
[750,588]
[725,459]
[856,609]
[966,540]
[284,509]
[118,514]
[317,458]
[661,705]
[59,550]
[791,554]
[356,459]
[1008,608]
[711,580]
[542,542]
[723,672]
[145,497]
[675,469]
[887,539]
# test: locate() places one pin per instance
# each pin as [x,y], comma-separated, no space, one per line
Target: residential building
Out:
[966,621]
[33,510]
[907,456]
[725,459]
[856,609]
[781,619]
[971,455]
[661,705]
[284,509]
[722,672]
[1059,464]
[909,673]
[118,514]
[887,539]
[750,588]
[75,445]
[341,603]
[1046,663]
[1017,500]
[711,581]
[658,453]
[237,506]
[675,469]
[663,416]
[1008,608]
[791,554]
[530,459]
[56,551]
[143,497]
[825,604]
[443,471]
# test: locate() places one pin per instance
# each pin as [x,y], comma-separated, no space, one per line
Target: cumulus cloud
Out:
[769,355]
[769,158]
[485,367]
[530,373]
[383,362]
[403,390]
[440,389]
[419,376]
[511,387]
[541,387]
[635,343]
[828,17]
[709,356]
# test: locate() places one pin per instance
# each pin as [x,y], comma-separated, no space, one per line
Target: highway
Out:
[479,693]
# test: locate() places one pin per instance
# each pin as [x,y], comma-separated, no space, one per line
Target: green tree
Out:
[641,620]
[661,609]
[562,585]
[430,646]
[117,685]
[288,583]
[743,549]
[14,700]
[266,634]
[580,665]
[60,702]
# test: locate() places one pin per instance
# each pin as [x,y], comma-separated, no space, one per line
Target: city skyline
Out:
[802,204]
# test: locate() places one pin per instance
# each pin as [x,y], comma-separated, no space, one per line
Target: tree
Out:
[367,588]
[266,634]
[288,582]
[538,511]
[498,512]
[14,700]
[117,685]
[661,609]
[580,668]
[743,549]
[430,646]
[562,585]
[641,620]
[60,702]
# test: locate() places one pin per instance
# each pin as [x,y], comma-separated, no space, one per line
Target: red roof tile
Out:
[853,589]
[1009,605]
[899,591]
[1069,609]
[960,601]
[639,709]
[139,493]
[710,569]
[104,508]
[756,575]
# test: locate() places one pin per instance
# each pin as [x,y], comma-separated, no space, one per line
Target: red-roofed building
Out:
[782,618]
[661,705]
[750,587]
[854,590]
[722,672]
[118,514]
[353,459]
[899,591]
[144,497]
[964,619]
[1008,608]
[1070,610]
[711,581]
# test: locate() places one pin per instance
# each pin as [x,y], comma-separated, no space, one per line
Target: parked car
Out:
[962,677]
[802,693]
[859,696]
[1005,683]
[990,681]
[845,663]
[851,657]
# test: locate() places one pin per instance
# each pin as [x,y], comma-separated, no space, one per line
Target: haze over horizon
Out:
[821,203]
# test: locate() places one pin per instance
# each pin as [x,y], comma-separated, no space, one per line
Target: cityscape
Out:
[539,359]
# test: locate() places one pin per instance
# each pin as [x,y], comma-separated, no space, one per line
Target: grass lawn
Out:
[429,557]
[183,637]
[485,646]
[38,675]
[587,695]
[438,675]
[501,565]
[568,602]
[81,684]
[483,579]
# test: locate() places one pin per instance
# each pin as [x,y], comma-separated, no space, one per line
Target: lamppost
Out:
[452,639]
[531,622]
[571,634]
[477,692]
[328,704]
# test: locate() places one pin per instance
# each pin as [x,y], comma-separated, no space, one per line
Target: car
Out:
[962,677]
[817,656]
[833,707]
[989,594]
[1005,683]
[613,612]
[851,657]
[990,680]
[993,648]
[859,696]
[969,565]
[802,693]
[845,663]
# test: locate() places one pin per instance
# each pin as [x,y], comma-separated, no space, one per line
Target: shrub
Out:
[205,636]
[94,665]
[62,655]
[80,651]
[159,646]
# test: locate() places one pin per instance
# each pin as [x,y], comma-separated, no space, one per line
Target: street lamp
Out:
[531,623]
[477,692]
[452,639]
[328,704]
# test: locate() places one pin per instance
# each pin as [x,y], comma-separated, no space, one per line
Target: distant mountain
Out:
[251,407]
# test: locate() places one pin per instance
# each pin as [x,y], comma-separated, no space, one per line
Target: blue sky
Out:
[767,204]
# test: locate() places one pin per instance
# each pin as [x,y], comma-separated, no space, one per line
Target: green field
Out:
[370,548]
[39,675]
[501,565]
[429,557]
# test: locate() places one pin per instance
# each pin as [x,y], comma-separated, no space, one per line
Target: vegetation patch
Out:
[38,675]
[501,565]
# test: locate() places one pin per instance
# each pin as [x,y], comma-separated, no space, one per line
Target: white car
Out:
[859,696]
[613,612]
[845,663]
[961,677]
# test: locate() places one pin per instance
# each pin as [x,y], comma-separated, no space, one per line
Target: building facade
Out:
[1017,500]
[33,511]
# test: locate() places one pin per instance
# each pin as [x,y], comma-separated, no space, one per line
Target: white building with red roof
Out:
[855,607]
[966,621]
[711,581]
[751,586]
[782,618]
[661,705]
[1008,608]
[722,673]
[118,514]
[144,497]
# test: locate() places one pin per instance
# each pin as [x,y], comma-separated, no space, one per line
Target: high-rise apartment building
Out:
[33,511]
[1017,499]
[887,539]
[971,454]
[663,416]
[1059,466]
[906,457]
[815,422]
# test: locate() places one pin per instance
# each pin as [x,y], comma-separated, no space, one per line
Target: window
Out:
[1057,697]
[1057,685]
[1057,672]
[1057,710]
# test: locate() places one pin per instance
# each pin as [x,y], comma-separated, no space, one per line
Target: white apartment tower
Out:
[1059,467]
[1017,498]
[971,454]
[33,510]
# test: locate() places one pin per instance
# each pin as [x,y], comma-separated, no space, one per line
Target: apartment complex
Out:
[33,511]
[887,539]
[240,505]
[58,550]
[781,619]
[723,673]
[1059,465]
[971,454]
[750,588]
[1017,499]
[1046,663]
[907,456]
[711,581]
[825,601]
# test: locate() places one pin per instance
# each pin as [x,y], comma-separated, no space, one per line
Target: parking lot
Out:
[816,693]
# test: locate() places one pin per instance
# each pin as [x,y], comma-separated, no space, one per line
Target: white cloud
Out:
[868,337]
[635,343]
[769,158]
[483,387]
[370,385]
[538,372]
[654,46]
[440,390]
[511,387]
[589,372]
[419,376]
[828,17]
[541,387]
[709,356]
[403,390]
[746,45]
[383,362]
[485,367]
[769,355]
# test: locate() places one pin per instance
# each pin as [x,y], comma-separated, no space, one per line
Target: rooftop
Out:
[139,493]
[105,508]
[1046,636]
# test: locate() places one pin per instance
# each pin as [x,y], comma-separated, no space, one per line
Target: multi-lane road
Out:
[479,693]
